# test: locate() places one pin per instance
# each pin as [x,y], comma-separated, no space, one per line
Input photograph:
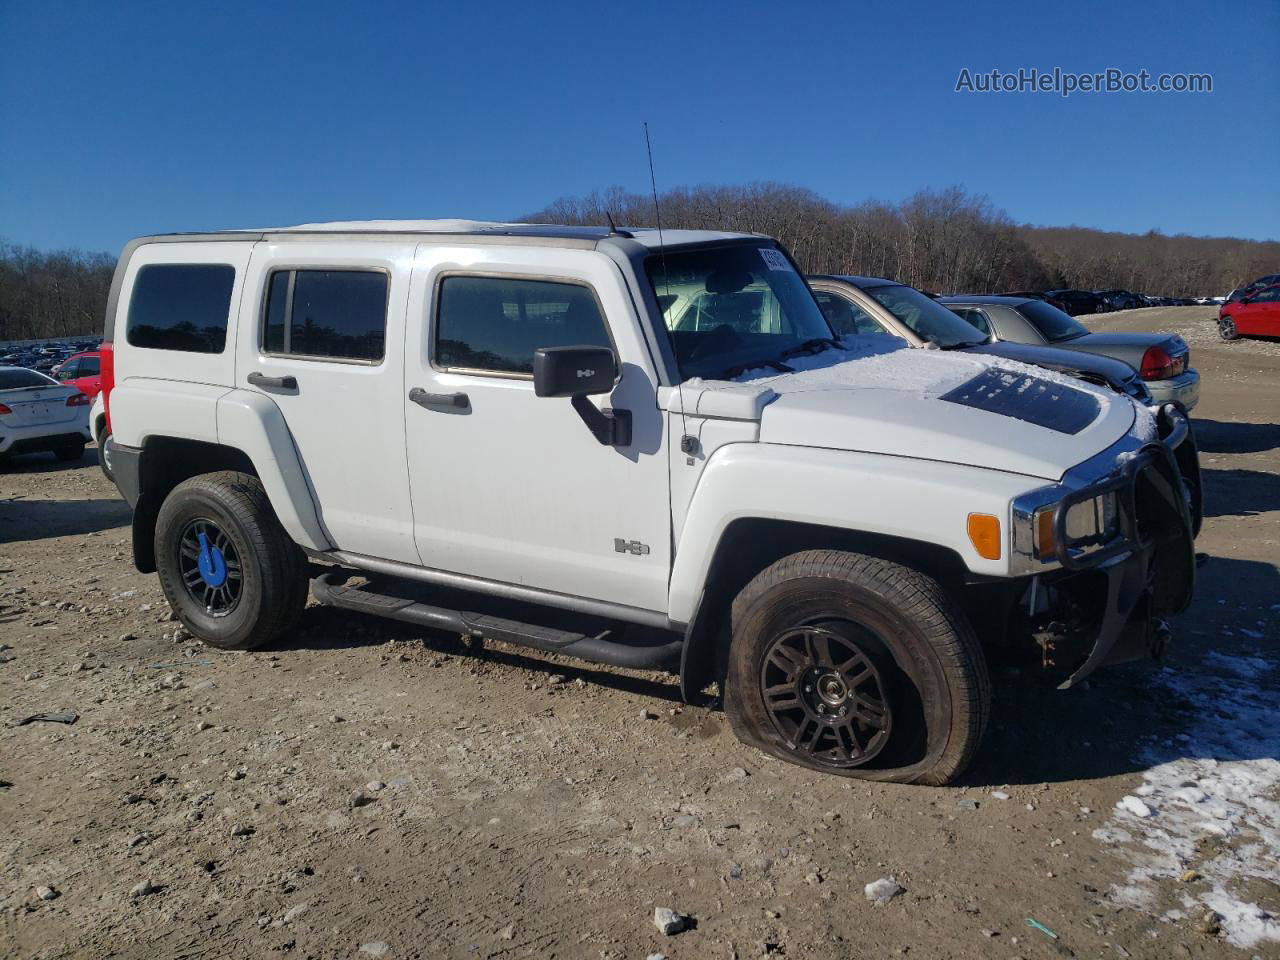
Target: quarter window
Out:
[327,314]
[495,323]
[181,306]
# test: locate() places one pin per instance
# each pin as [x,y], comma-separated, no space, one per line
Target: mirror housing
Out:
[573,371]
[577,373]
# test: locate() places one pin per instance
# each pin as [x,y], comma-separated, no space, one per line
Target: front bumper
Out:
[1183,390]
[1100,603]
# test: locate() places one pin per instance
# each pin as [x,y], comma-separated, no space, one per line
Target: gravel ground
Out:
[363,790]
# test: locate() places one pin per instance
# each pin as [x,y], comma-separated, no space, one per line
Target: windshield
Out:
[730,308]
[1053,324]
[930,320]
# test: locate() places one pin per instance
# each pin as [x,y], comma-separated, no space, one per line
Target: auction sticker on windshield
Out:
[774,259]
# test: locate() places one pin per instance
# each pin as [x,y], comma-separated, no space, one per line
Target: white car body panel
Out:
[345,417]
[142,408]
[894,496]
[517,489]
[40,412]
[904,424]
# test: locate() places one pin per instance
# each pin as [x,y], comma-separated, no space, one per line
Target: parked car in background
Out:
[1076,302]
[1032,294]
[1270,280]
[1162,360]
[38,413]
[1256,314]
[1121,299]
[82,371]
[862,305]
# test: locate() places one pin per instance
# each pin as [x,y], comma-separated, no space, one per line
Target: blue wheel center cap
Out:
[212,564]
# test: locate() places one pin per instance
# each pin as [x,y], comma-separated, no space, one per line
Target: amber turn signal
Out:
[1046,547]
[984,532]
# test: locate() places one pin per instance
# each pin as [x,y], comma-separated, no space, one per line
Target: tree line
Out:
[943,241]
[58,294]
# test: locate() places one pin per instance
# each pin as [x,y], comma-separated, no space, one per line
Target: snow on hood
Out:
[879,395]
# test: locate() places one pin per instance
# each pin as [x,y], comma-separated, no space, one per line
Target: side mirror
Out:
[573,371]
[577,373]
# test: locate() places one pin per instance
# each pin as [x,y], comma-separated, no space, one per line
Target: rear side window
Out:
[495,323]
[975,317]
[327,314]
[89,366]
[181,306]
[16,378]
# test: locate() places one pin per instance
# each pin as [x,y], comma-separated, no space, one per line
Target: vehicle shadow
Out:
[23,520]
[41,462]
[331,628]
[1240,493]
[1224,436]
[1130,716]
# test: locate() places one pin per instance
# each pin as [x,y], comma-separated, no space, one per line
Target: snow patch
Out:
[1212,799]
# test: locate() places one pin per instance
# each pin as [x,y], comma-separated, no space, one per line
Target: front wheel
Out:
[227,567]
[1227,329]
[857,666]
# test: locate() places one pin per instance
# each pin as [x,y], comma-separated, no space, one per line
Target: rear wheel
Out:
[103,461]
[854,665]
[1227,329]
[227,567]
[69,451]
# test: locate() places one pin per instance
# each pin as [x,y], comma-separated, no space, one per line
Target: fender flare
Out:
[252,423]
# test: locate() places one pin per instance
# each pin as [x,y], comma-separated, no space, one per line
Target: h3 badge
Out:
[633,547]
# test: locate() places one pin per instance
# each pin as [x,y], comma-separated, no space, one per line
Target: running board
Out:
[330,589]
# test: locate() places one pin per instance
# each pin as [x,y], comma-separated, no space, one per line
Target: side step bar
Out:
[330,589]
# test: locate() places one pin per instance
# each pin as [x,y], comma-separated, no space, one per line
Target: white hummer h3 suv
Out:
[641,450]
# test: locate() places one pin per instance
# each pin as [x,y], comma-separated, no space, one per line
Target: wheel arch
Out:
[750,544]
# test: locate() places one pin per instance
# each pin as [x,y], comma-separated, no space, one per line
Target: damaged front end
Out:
[1111,553]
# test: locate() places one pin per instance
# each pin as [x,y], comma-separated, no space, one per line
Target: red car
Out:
[82,371]
[1257,314]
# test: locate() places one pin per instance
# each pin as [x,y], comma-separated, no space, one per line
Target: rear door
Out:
[512,487]
[1261,315]
[322,335]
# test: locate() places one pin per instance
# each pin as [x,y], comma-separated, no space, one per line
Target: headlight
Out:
[1089,523]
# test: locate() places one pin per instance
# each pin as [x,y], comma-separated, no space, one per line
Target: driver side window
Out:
[70,370]
[845,316]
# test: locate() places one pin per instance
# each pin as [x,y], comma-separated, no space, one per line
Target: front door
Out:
[1261,316]
[512,487]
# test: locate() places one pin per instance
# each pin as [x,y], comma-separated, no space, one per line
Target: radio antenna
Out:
[687,443]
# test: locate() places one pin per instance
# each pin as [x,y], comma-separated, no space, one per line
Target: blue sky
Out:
[119,119]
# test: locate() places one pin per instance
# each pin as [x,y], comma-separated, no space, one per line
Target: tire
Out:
[69,451]
[1227,329]
[919,661]
[102,439]
[263,585]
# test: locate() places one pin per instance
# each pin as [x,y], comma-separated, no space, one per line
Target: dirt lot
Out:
[511,805]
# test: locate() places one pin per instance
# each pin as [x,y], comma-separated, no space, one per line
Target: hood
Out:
[1070,362]
[978,411]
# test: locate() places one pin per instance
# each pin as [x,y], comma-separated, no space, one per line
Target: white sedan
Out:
[38,413]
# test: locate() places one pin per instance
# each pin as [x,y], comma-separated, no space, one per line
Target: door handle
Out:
[280,383]
[424,399]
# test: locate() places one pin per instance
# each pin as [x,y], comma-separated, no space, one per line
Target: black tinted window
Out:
[1052,323]
[491,323]
[181,306]
[15,378]
[327,313]
[89,367]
